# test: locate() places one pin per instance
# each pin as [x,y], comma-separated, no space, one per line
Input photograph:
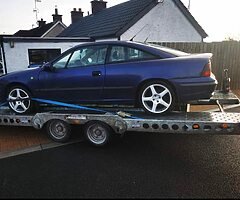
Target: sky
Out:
[219,18]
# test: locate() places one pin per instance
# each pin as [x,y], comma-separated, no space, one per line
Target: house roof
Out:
[39,31]
[114,21]
[35,32]
[110,21]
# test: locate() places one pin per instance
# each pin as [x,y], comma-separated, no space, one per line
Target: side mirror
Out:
[48,67]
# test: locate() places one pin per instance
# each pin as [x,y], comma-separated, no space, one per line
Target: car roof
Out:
[161,51]
[138,45]
[118,42]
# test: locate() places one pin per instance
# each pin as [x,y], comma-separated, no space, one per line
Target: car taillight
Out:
[207,70]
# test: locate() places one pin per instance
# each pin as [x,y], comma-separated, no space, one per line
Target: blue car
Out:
[152,77]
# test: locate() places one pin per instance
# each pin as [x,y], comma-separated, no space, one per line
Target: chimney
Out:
[56,16]
[76,15]
[98,5]
[41,23]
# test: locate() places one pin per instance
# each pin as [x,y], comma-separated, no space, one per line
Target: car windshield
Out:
[169,50]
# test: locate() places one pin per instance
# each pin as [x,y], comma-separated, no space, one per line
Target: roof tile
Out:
[36,32]
[109,20]
[116,20]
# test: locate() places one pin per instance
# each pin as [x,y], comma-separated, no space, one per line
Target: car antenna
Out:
[132,38]
[137,33]
[145,41]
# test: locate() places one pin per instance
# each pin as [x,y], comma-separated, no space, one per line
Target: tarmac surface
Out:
[140,165]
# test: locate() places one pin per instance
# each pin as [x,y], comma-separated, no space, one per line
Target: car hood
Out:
[21,74]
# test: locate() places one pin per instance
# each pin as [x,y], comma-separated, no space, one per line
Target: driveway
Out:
[140,165]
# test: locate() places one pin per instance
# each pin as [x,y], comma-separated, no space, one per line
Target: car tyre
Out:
[157,97]
[19,100]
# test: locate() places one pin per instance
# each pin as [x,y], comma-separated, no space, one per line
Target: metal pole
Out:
[36,9]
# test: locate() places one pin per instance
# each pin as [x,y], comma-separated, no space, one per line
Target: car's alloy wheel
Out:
[157,98]
[19,100]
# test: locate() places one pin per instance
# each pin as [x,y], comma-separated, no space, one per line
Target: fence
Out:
[226,55]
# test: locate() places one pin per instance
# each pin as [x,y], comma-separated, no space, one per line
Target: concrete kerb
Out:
[36,148]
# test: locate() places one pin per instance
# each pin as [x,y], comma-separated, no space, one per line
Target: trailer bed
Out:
[98,125]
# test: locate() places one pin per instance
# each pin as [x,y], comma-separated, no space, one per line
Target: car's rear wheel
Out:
[157,97]
[19,100]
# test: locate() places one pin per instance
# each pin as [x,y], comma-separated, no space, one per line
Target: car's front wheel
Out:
[19,100]
[157,97]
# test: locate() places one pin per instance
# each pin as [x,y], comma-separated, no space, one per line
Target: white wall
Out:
[164,23]
[17,57]
[56,31]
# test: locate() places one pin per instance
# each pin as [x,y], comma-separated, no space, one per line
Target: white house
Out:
[35,46]
[51,29]
[18,53]
[138,20]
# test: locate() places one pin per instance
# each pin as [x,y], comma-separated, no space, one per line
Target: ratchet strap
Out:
[57,103]
[3,104]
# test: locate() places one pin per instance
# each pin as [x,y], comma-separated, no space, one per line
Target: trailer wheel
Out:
[97,133]
[58,130]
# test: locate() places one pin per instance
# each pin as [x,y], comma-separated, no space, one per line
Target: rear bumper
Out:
[195,88]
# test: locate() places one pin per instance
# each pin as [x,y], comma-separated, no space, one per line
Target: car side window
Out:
[135,54]
[93,55]
[117,54]
[125,54]
[60,64]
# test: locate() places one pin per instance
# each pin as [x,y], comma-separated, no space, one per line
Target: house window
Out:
[40,56]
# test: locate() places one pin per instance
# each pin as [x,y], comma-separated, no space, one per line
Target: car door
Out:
[76,77]
[124,71]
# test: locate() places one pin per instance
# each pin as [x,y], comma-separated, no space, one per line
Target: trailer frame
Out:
[98,127]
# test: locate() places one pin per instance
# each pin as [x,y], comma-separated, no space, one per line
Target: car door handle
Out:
[96,73]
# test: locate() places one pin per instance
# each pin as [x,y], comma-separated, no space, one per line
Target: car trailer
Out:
[98,127]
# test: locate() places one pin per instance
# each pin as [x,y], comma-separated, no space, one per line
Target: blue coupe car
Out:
[152,77]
